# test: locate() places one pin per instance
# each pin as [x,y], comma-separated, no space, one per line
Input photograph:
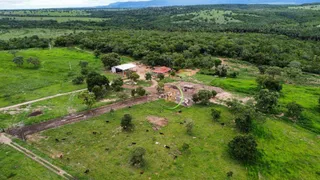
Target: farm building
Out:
[161,70]
[123,67]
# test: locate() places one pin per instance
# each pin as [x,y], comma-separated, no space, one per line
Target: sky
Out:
[34,4]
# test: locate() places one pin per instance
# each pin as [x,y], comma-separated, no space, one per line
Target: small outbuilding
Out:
[123,67]
[161,70]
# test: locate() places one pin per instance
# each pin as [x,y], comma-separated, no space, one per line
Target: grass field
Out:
[42,33]
[58,19]
[16,166]
[289,152]
[306,7]
[216,16]
[45,12]
[58,67]
[304,93]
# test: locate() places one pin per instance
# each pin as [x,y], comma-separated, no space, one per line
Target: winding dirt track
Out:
[41,99]
[22,132]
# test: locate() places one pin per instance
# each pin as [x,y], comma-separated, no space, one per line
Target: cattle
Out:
[168,147]
[134,143]
[161,133]
[141,172]
[94,133]
[87,171]
[222,124]
[63,139]
[57,140]
[107,121]
[107,149]
[147,130]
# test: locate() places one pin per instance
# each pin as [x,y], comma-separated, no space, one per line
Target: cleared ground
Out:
[285,148]
[42,33]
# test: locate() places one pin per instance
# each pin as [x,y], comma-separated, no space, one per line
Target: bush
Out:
[140,91]
[266,100]
[133,92]
[222,70]
[233,75]
[160,76]
[126,122]
[294,110]
[189,126]
[243,148]
[117,84]
[244,124]
[95,79]
[203,96]
[185,147]
[99,91]
[268,82]
[215,114]
[148,76]
[137,157]
[78,80]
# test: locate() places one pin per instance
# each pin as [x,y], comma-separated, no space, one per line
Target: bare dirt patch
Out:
[34,138]
[187,72]
[157,122]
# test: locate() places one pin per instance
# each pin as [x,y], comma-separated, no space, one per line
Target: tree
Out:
[18,61]
[99,91]
[148,76]
[134,76]
[267,82]
[217,62]
[94,79]
[34,61]
[266,100]
[126,122]
[203,96]
[243,148]
[160,76]
[83,64]
[78,80]
[273,71]
[292,72]
[88,98]
[244,124]
[133,92]
[96,53]
[222,70]
[110,60]
[140,91]
[137,157]
[294,110]
[160,87]
[215,114]
[172,73]
[262,69]
[117,84]
[189,127]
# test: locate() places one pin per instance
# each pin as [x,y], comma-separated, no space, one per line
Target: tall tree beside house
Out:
[110,60]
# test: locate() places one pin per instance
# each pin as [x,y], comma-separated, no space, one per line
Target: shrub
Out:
[117,84]
[133,92]
[266,100]
[243,148]
[88,98]
[185,147]
[244,124]
[215,114]
[140,91]
[267,82]
[148,76]
[203,96]
[83,64]
[222,70]
[34,61]
[137,157]
[134,76]
[94,79]
[18,61]
[160,76]
[126,122]
[294,110]
[110,60]
[78,80]
[189,126]
[99,91]
[233,75]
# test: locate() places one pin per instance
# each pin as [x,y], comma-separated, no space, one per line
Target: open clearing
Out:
[58,67]
[58,19]
[41,33]
[110,148]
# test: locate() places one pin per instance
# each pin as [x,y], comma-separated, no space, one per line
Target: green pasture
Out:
[216,16]
[45,12]
[58,67]
[16,166]
[58,19]
[306,7]
[41,33]
[288,151]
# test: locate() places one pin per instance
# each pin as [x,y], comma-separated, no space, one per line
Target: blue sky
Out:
[26,4]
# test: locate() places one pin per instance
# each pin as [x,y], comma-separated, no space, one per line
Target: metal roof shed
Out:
[123,67]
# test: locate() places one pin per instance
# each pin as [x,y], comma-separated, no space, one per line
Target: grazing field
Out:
[306,7]
[305,92]
[58,19]
[41,33]
[285,148]
[46,12]
[15,166]
[58,67]
[214,16]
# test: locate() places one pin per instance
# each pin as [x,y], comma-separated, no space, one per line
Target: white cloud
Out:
[26,4]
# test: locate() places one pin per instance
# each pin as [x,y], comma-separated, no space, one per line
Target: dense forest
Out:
[296,23]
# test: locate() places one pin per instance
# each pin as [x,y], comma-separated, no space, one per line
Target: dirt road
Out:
[22,132]
[41,99]
[7,141]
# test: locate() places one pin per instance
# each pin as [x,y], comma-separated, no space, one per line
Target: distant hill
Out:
[157,3]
